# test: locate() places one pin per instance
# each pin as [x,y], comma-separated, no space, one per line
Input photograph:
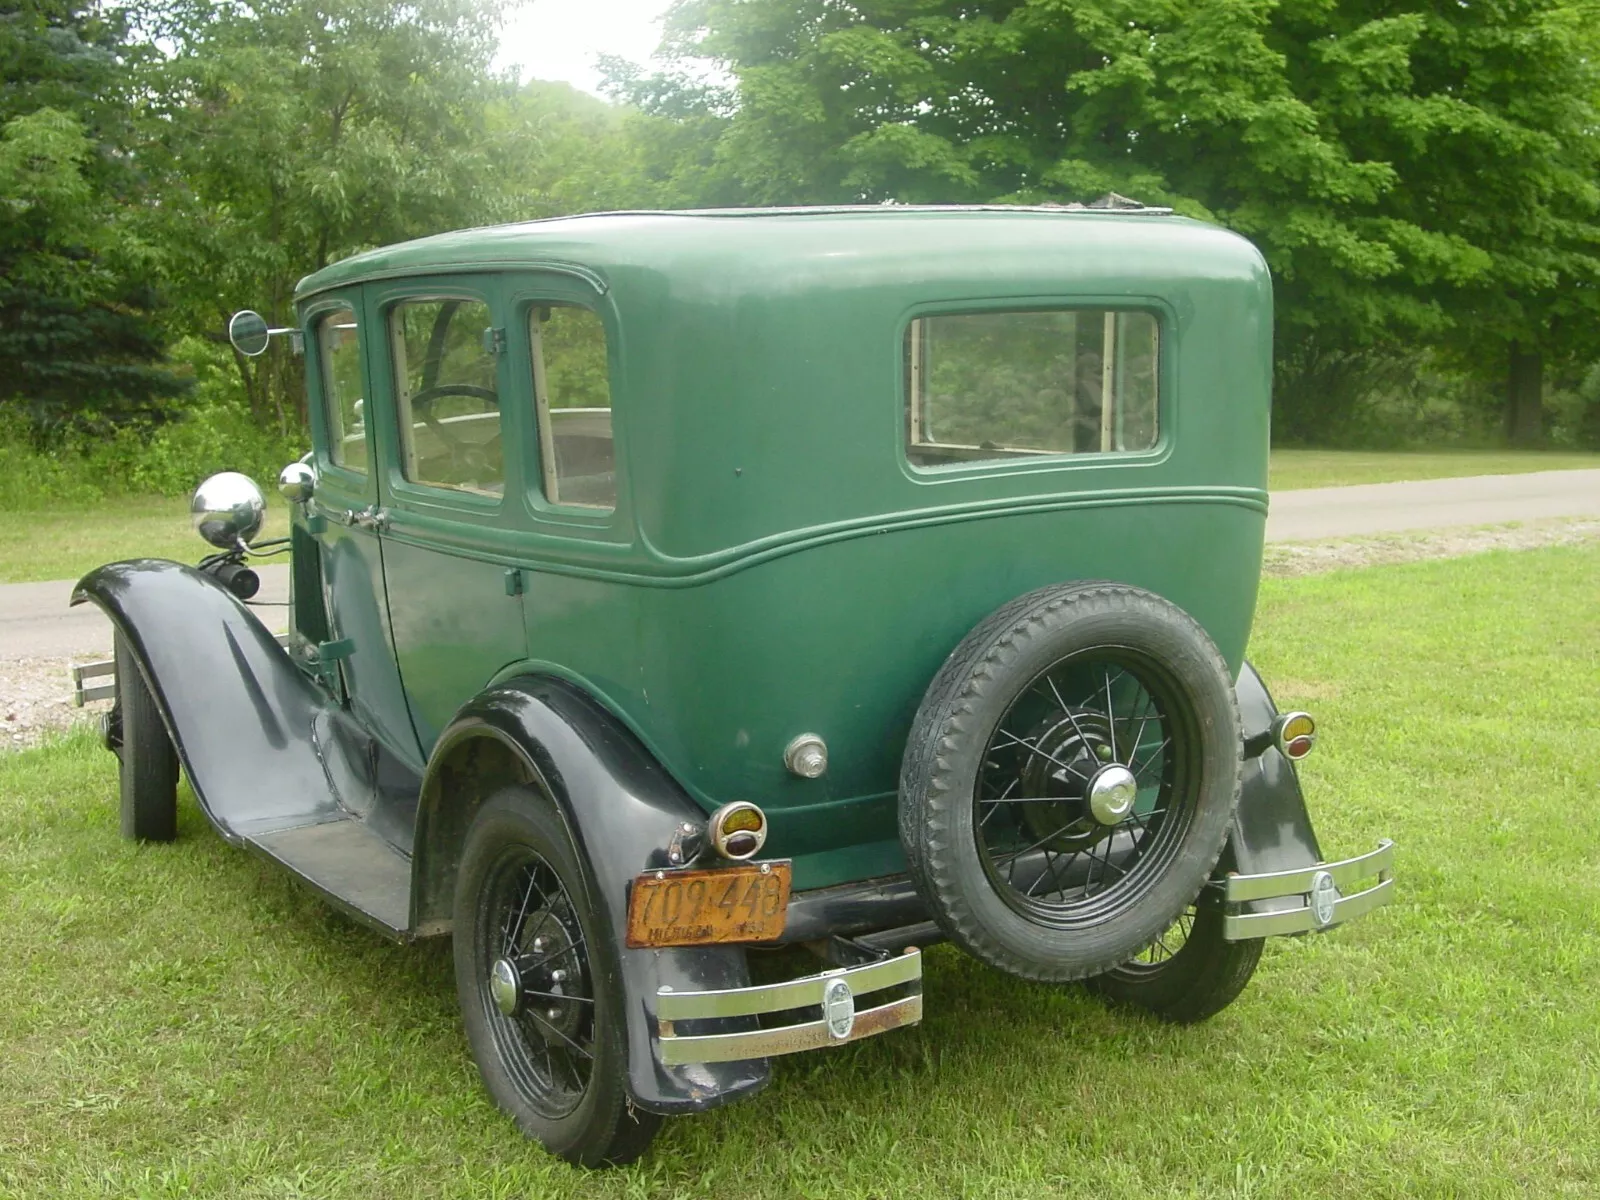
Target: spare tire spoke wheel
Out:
[1070,779]
[1079,801]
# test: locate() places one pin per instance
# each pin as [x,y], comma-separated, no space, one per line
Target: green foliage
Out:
[80,349]
[291,133]
[574,343]
[214,431]
[1420,178]
[1423,174]
[1575,410]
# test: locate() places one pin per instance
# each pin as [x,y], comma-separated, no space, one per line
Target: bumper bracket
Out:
[832,994]
[1323,894]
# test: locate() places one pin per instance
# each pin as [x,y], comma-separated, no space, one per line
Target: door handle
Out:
[371,517]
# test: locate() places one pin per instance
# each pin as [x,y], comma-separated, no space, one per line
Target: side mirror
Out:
[227,510]
[297,482]
[249,333]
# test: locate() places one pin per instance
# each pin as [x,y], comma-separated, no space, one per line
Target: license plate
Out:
[747,903]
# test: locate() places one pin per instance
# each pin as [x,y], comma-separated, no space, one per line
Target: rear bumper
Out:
[1307,899]
[798,1014]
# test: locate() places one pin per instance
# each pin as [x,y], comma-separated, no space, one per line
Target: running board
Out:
[350,866]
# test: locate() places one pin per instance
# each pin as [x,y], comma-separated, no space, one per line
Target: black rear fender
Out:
[622,809]
[1271,828]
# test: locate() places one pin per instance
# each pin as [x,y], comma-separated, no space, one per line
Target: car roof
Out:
[758,244]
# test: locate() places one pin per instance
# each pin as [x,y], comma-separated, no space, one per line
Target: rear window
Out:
[999,385]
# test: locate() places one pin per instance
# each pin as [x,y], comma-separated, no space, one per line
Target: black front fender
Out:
[240,713]
[621,808]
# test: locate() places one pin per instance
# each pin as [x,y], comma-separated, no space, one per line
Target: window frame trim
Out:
[401,483]
[1035,460]
[539,489]
[349,478]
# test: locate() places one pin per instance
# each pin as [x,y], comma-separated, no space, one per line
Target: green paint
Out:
[774,565]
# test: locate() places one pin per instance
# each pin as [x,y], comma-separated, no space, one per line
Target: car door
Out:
[454,602]
[359,654]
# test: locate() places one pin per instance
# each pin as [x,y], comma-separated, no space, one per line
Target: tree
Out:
[81,346]
[292,133]
[1425,174]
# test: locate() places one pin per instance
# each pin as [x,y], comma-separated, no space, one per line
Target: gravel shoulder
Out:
[36,691]
[1289,559]
[36,701]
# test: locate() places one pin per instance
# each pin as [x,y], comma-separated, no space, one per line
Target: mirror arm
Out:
[297,340]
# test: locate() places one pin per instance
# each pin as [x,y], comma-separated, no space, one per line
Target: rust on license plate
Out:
[747,903]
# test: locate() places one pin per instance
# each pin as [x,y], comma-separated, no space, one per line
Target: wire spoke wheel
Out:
[1086,787]
[1070,778]
[541,989]
[1168,944]
[530,927]
[1188,973]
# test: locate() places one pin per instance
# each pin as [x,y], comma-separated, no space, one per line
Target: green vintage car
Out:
[669,585]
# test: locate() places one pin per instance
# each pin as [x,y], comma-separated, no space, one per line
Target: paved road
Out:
[35,621]
[1432,504]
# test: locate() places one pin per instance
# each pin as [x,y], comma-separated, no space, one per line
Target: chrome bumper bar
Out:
[1324,892]
[833,993]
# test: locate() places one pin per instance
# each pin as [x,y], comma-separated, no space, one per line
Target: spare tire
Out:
[1070,779]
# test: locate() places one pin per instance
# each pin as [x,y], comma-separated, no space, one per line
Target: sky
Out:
[558,39]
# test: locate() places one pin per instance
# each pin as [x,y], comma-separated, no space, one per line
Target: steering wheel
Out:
[467,458]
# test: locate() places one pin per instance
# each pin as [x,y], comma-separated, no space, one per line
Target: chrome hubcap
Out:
[505,986]
[1112,793]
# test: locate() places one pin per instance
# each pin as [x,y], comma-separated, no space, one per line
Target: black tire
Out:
[1185,980]
[148,776]
[558,1063]
[953,814]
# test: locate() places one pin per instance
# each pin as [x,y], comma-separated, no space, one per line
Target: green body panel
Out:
[351,580]
[774,566]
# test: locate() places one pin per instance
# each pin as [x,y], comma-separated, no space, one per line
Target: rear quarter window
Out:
[997,385]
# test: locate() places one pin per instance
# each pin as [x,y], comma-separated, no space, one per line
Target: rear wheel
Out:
[1187,974]
[540,986]
[148,776]
[1069,779]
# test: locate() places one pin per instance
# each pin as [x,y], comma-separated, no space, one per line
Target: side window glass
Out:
[447,408]
[987,386]
[339,354]
[572,384]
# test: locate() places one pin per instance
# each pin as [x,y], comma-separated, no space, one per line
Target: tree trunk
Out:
[1525,397]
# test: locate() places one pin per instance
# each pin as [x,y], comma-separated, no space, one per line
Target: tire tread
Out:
[148,776]
[944,721]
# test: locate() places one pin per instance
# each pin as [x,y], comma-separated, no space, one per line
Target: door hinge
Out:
[514,585]
[328,652]
[494,340]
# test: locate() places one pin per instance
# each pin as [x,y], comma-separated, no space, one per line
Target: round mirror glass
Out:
[228,509]
[249,333]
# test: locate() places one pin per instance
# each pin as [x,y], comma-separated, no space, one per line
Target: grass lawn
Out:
[63,544]
[180,1019]
[1293,469]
